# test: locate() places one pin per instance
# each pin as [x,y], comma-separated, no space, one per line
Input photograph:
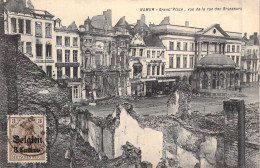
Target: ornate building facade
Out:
[105,57]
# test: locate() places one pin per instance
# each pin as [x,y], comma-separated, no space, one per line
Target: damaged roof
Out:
[19,6]
[72,27]
[123,23]
[153,41]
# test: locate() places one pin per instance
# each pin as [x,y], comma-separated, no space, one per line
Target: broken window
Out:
[162,70]
[158,54]
[59,55]
[191,61]
[148,53]
[38,28]
[28,27]
[170,61]
[59,72]
[49,71]
[21,25]
[67,41]
[48,31]
[13,25]
[67,55]
[133,52]
[184,61]
[153,54]
[75,56]
[153,70]
[59,40]
[141,52]
[29,48]
[75,41]
[158,70]
[67,71]
[178,62]
[75,72]
[48,51]
[178,45]
[171,45]
[39,50]
[75,92]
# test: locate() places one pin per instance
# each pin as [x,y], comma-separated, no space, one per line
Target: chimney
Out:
[108,16]
[143,18]
[186,23]
[255,38]
[245,35]
[151,25]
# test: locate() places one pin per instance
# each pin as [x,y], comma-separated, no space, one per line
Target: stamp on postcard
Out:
[27,139]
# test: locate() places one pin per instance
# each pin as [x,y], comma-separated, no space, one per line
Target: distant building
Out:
[147,61]
[250,58]
[186,46]
[67,57]
[104,50]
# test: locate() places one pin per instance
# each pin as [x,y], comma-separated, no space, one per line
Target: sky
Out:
[245,20]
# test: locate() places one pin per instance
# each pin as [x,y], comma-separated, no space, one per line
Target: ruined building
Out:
[105,57]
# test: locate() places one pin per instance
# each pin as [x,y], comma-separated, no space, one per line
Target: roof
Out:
[165,20]
[140,24]
[123,23]
[73,26]
[217,26]
[18,6]
[153,41]
[216,61]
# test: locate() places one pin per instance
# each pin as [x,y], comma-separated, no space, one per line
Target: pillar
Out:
[234,133]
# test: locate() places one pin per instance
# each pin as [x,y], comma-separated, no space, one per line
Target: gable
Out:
[215,30]
[137,40]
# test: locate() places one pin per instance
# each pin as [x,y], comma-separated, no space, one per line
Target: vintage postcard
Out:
[129,83]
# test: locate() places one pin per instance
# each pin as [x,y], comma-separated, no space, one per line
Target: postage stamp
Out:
[27,139]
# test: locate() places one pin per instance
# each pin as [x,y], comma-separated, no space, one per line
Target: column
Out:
[208,48]
[224,47]
[220,48]
[199,53]
[144,89]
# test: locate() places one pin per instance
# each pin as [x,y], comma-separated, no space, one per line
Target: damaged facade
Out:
[105,57]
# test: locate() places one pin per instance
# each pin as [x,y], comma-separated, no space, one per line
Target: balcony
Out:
[67,64]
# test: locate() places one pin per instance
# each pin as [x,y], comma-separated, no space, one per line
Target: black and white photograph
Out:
[129,84]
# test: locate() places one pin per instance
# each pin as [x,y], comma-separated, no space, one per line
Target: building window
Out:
[48,51]
[191,61]
[75,92]
[237,60]
[59,55]
[184,61]
[28,27]
[141,52]
[153,70]
[75,56]
[67,55]
[59,40]
[158,70]
[171,45]
[133,51]
[122,43]
[238,48]
[49,71]
[233,48]
[149,70]
[38,28]
[185,46]
[178,62]
[191,46]
[233,58]
[13,25]
[162,70]
[228,48]
[59,72]
[162,54]
[67,41]
[40,67]
[21,25]
[158,54]
[67,71]
[75,41]
[148,53]
[48,29]
[39,50]
[170,61]
[29,48]
[153,54]
[178,45]
[75,72]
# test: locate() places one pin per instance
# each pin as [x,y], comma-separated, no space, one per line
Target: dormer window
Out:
[214,31]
